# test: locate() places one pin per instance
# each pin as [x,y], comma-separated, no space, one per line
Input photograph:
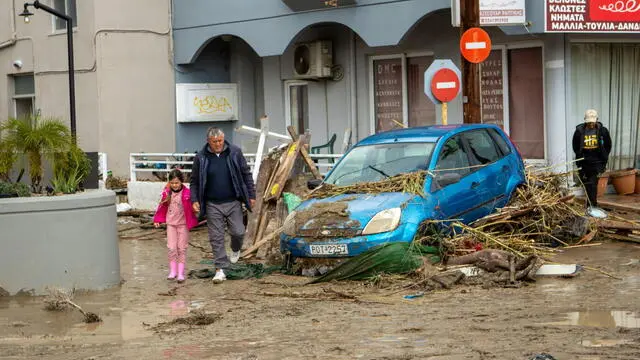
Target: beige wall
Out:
[124,76]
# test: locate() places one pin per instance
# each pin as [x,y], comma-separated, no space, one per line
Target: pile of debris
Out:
[283,171]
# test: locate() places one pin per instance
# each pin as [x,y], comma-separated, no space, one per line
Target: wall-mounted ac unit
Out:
[313,60]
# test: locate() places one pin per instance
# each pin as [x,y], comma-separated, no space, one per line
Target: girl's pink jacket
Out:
[161,213]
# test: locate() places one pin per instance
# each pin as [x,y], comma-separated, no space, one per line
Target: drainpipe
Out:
[354,91]
[14,34]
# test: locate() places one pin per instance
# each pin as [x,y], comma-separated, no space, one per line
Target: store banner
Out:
[592,16]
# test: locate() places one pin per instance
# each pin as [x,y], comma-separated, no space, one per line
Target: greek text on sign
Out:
[206,102]
[592,16]
[502,12]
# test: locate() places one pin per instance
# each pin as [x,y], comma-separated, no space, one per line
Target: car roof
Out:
[420,134]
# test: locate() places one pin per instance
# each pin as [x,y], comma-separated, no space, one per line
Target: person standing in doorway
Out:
[221,183]
[592,145]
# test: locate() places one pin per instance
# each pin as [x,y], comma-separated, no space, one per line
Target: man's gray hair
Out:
[214,132]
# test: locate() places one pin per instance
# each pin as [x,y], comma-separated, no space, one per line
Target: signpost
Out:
[442,84]
[475,45]
[445,86]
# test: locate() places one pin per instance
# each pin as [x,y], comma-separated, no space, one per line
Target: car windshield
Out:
[380,161]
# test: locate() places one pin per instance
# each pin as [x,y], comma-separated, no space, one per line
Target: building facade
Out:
[125,94]
[539,79]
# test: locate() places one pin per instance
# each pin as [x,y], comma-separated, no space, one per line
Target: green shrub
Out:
[20,189]
[70,169]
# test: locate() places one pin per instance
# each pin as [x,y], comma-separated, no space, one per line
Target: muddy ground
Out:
[592,316]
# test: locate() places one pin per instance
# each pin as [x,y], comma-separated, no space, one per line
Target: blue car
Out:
[472,170]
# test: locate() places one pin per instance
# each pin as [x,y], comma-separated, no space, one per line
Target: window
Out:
[453,157]
[501,142]
[24,96]
[298,105]
[482,146]
[68,7]
[378,162]
[398,92]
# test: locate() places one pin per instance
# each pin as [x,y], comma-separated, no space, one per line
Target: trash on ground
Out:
[237,272]
[60,300]
[122,207]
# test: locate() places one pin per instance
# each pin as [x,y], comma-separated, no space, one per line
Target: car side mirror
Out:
[445,179]
[313,183]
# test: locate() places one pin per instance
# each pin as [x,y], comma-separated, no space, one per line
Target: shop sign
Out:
[206,102]
[492,90]
[388,93]
[502,12]
[592,16]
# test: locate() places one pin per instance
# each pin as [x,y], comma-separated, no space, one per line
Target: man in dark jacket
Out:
[220,183]
[592,145]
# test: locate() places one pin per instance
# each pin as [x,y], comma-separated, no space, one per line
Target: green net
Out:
[237,271]
[390,258]
[291,200]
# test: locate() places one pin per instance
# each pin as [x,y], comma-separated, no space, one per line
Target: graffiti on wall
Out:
[207,102]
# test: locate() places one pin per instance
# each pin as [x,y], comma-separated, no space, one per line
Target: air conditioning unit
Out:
[313,60]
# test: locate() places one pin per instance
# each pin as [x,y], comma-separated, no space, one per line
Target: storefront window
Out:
[422,112]
[605,77]
[389,85]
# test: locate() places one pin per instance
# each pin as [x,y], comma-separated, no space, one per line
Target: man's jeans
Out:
[218,216]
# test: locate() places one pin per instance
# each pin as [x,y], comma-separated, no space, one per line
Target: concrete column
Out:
[273,95]
[558,147]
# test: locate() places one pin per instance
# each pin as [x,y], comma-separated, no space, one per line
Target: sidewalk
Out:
[620,202]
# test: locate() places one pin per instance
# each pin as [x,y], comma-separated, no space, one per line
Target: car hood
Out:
[352,211]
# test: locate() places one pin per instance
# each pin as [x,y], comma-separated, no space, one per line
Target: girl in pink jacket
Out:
[175,210]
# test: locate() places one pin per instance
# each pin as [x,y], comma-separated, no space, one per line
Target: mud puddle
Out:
[24,320]
[603,319]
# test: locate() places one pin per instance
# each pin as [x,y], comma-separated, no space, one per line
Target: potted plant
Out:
[603,182]
[37,138]
[70,169]
[624,181]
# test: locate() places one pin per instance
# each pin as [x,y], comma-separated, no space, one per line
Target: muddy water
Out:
[588,317]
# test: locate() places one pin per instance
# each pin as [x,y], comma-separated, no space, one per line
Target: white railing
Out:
[150,163]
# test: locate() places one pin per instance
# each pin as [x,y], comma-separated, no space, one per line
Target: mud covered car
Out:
[470,170]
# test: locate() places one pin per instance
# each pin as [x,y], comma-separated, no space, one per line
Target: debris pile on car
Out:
[408,183]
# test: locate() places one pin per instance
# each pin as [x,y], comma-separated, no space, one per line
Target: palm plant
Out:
[37,138]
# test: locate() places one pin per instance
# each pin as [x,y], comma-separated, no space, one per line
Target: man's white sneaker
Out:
[235,256]
[220,277]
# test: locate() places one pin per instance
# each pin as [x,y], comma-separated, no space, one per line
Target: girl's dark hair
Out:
[174,174]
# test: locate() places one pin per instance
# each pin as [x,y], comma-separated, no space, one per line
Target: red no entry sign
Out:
[445,85]
[475,45]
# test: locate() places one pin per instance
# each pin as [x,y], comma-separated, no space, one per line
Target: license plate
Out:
[332,249]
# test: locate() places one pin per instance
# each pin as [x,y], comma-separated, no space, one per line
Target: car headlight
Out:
[289,227]
[385,220]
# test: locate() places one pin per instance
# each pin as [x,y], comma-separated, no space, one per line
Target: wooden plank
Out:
[305,154]
[277,186]
[617,225]
[620,207]
[267,169]
[623,238]
[264,128]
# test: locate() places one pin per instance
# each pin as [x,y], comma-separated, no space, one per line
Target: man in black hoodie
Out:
[592,145]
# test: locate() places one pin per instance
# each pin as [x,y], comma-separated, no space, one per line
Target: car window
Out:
[453,158]
[380,161]
[500,141]
[482,146]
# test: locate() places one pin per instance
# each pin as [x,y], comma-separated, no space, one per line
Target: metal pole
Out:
[444,113]
[72,83]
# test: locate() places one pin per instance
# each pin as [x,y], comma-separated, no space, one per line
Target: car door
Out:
[457,200]
[491,167]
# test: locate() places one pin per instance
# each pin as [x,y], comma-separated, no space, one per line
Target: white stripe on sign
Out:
[446,85]
[475,45]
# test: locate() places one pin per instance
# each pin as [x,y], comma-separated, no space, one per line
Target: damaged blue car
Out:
[470,170]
